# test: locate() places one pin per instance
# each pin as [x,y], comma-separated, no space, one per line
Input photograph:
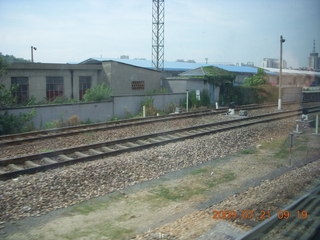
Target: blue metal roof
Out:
[176,66]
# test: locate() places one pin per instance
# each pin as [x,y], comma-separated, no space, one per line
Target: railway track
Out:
[14,139]
[10,168]
[299,220]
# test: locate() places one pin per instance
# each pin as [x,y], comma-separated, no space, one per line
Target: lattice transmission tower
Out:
[158,34]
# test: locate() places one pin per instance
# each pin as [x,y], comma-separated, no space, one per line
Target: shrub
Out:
[10,123]
[247,95]
[98,93]
[150,109]
[73,120]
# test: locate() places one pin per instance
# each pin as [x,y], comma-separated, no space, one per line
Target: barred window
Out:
[21,92]
[84,85]
[137,85]
[54,87]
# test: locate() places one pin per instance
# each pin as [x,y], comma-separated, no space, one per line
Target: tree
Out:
[257,79]
[6,97]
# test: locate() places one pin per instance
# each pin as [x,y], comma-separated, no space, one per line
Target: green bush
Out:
[242,95]
[98,93]
[10,123]
[257,79]
[193,102]
[150,109]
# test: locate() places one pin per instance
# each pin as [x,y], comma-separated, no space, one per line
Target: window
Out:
[84,84]
[21,93]
[137,85]
[54,87]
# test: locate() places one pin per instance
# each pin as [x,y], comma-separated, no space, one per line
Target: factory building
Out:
[197,79]
[48,81]
[273,63]
[45,81]
[314,60]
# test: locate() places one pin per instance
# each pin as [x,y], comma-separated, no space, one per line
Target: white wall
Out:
[119,106]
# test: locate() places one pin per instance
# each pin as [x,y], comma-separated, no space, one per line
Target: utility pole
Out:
[32,48]
[282,40]
[158,34]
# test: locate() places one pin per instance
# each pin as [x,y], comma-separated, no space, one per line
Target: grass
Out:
[86,208]
[200,171]
[46,150]
[249,151]
[226,177]
[176,193]
[106,230]
[282,146]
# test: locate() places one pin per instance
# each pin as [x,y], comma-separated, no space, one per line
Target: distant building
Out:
[273,63]
[314,60]
[294,78]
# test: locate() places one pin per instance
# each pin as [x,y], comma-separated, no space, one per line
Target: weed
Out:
[46,150]
[105,230]
[86,208]
[200,170]
[73,120]
[226,177]
[249,151]
[176,193]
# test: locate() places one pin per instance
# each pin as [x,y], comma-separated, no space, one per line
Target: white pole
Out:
[282,40]
[144,111]
[317,124]
[217,106]
[187,101]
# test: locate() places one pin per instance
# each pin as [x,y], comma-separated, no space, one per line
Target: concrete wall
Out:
[311,96]
[119,106]
[178,86]
[291,94]
[240,77]
[120,76]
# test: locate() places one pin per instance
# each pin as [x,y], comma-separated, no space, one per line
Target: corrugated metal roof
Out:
[175,66]
[293,71]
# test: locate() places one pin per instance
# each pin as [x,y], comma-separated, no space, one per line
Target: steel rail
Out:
[14,139]
[295,226]
[116,147]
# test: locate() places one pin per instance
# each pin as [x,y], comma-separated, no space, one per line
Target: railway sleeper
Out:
[80,154]
[163,138]
[154,140]
[31,164]
[48,160]
[173,136]
[182,134]
[121,147]
[142,142]
[107,149]
[131,144]
[94,152]
[14,167]
[65,158]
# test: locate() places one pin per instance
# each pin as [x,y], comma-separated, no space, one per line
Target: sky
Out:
[224,31]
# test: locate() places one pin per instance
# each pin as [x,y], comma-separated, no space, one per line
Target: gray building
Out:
[197,79]
[46,81]
[314,60]
[127,79]
[273,63]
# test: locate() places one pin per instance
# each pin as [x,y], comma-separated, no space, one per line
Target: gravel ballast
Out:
[42,192]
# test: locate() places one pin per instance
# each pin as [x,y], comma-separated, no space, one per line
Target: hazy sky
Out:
[221,30]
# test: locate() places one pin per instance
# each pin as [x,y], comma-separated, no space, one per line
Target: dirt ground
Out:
[179,205]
